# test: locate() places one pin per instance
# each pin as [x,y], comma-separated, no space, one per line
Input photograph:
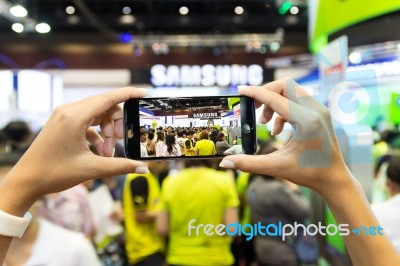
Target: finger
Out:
[96,140]
[258,164]
[107,129]
[97,105]
[116,115]
[272,100]
[278,125]
[117,166]
[266,115]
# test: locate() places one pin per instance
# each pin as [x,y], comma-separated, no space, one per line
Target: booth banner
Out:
[205,115]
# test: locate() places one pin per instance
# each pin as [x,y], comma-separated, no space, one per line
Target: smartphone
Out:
[189,127]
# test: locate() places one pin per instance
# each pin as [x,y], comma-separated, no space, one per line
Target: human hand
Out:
[60,158]
[312,157]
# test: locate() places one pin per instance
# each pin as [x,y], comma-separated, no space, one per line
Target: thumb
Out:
[117,166]
[258,164]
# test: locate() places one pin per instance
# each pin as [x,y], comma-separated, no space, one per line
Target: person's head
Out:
[169,130]
[190,134]
[393,174]
[150,135]
[203,134]
[180,134]
[221,136]
[160,136]
[3,141]
[17,131]
[143,136]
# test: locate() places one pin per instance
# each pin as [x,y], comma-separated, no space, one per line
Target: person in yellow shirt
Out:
[205,147]
[188,147]
[141,193]
[197,195]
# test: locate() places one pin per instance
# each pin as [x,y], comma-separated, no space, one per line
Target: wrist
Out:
[14,200]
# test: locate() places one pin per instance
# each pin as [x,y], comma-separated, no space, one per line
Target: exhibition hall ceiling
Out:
[140,17]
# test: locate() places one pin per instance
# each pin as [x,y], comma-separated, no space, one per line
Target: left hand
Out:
[59,158]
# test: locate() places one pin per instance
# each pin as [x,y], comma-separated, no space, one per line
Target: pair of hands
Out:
[59,158]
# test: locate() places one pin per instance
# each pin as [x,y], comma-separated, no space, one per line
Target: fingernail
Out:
[242,87]
[144,91]
[113,153]
[142,170]
[227,164]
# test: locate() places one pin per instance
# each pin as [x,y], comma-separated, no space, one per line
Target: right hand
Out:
[312,157]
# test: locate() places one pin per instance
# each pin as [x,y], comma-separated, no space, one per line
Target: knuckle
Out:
[326,115]
[62,113]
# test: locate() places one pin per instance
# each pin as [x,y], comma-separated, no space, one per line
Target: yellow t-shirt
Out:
[202,194]
[205,147]
[142,239]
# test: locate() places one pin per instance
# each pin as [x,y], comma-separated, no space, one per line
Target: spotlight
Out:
[183,10]
[70,10]
[239,10]
[18,11]
[274,46]
[127,10]
[127,19]
[294,10]
[355,57]
[43,27]
[17,27]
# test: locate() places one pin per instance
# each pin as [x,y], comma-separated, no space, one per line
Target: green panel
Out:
[334,15]
[334,241]
[394,110]
[262,132]
[232,100]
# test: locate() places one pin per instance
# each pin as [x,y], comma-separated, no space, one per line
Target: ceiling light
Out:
[127,19]
[70,10]
[73,19]
[239,10]
[127,10]
[43,27]
[294,10]
[183,10]
[355,57]
[17,27]
[18,11]
[274,47]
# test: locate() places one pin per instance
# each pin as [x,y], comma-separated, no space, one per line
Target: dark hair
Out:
[221,136]
[17,131]
[160,136]
[3,138]
[151,135]
[393,170]
[170,142]
[180,134]
[214,135]
[203,134]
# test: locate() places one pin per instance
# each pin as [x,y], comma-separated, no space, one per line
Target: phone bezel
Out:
[132,122]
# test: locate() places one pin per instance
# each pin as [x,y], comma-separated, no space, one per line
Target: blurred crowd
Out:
[143,219]
[185,141]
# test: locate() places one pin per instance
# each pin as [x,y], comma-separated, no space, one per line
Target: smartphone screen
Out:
[189,127]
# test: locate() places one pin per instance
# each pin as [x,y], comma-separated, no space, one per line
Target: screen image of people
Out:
[182,127]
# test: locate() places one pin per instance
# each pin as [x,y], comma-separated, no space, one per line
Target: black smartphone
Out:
[189,127]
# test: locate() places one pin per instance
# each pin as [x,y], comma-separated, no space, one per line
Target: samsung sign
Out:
[205,115]
[207,75]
